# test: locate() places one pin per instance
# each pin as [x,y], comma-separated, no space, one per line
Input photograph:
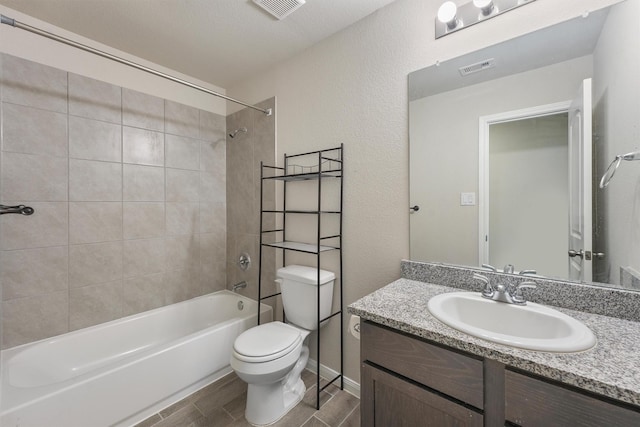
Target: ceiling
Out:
[218,41]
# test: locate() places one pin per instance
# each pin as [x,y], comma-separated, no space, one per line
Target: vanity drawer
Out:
[446,371]
[533,402]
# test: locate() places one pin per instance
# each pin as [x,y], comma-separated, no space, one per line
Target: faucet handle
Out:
[490,267]
[487,291]
[517,296]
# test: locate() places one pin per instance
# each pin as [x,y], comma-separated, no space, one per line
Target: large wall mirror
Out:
[508,145]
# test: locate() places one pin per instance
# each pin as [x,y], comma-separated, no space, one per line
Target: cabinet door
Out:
[389,401]
[536,403]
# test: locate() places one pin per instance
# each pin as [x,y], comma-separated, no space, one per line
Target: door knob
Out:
[415,208]
[579,254]
[598,255]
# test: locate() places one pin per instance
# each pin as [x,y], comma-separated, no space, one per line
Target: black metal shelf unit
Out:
[322,165]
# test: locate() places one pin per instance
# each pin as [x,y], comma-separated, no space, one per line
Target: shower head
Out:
[235,132]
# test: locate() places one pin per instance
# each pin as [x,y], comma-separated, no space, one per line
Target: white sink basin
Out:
[531,326]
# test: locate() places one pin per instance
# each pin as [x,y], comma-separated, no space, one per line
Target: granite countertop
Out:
[611,368]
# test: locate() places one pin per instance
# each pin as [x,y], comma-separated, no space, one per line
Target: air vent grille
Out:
[478,66]
[279,8]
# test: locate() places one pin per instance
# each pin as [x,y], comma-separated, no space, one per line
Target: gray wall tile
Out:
[212,187]
[182,218]
[142,147]
[34,85]
[34,131]
[143,257]
[34,318]
[181,119]
[94,99]
[94,263]
[212,126]
[120,224]
[31,272]
[182,252]
[143,219]
[92,222]
[143,293]
[182,185]
[143,183]
[32,177]
[95,181]
[91,305]
[182,153]
[94,140]
[142,111]
[48,226]
[213,157]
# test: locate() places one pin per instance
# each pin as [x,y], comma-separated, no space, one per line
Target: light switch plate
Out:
[467,199]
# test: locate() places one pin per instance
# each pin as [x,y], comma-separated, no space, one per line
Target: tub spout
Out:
[240,285]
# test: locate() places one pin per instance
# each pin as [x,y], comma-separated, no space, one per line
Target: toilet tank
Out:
[299,287]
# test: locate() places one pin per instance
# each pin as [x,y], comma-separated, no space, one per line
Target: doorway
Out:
[524,189]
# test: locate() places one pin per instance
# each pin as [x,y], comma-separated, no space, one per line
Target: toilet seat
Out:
[267,342]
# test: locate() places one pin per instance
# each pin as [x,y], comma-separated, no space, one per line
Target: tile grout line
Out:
[349,414]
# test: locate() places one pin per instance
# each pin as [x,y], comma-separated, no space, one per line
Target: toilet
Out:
[270,357]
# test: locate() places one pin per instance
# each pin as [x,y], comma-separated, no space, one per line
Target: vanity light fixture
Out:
[452,18]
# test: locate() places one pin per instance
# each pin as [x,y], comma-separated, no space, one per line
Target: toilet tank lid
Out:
[304,274]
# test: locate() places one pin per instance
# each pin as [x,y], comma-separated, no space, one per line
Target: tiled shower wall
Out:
[244,154]
[129,197]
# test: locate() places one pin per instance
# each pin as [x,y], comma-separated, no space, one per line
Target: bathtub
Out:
[121,372]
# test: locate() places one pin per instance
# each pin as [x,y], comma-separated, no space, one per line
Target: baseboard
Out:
[350,385]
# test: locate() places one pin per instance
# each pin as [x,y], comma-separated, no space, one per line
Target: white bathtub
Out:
[121,372]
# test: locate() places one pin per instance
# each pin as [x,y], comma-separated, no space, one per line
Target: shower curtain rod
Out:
[43,33]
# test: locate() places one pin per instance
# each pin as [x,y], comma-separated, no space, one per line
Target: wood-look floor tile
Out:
[218,417]
[152,420]
[188,416]
[240,423]
[236,407]
[310,397]
[314,422]
[221,396]
[222,404]
[353,419]
[337,408]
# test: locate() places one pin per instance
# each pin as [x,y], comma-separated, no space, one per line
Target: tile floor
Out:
[222,405]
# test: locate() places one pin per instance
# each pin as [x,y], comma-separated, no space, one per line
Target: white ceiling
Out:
[218,41]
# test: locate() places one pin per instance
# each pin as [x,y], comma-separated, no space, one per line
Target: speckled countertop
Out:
[611,368]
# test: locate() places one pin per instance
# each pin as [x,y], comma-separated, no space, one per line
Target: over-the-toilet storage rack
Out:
[323,165]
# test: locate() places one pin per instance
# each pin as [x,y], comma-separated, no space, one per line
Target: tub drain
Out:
[240,305]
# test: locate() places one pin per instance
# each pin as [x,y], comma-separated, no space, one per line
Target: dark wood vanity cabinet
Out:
[407,381]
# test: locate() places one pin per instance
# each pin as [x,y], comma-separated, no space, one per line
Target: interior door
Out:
[580,151]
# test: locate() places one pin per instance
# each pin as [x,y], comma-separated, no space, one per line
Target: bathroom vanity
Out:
[417,371]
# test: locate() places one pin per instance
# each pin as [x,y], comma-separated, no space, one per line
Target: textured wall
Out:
[129,197]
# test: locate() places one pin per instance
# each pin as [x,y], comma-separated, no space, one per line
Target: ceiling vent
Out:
[478,66]
[279,8]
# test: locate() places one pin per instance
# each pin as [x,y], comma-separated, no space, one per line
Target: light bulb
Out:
[485,5]
[447,14]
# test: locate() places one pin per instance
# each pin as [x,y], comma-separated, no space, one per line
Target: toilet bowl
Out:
[271,357]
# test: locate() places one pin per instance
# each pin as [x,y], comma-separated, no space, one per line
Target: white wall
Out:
[23,44]
[352,88]
[617,109]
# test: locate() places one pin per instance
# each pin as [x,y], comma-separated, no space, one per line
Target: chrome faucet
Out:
[509,294]
[240,285]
